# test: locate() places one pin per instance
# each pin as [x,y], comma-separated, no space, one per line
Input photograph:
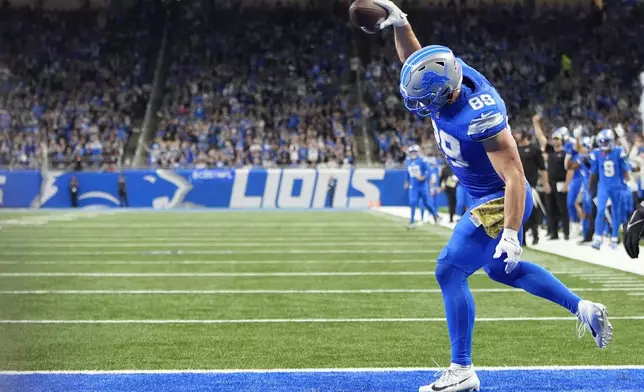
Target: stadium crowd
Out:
[275,86]
[260,88]
[576,66]
[71,84]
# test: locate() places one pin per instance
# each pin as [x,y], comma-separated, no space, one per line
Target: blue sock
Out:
[459,311]
[413,213]
[536,280]
[422,213]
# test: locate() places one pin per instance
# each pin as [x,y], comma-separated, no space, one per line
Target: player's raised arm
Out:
[538,131]
[406,41]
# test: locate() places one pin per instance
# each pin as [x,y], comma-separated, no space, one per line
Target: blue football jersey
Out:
[609,166]
[479,113]
[415,168]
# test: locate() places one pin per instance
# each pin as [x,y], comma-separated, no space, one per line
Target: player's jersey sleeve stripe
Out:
[484,123]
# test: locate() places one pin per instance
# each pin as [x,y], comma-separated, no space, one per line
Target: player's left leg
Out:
[424,198]
[573,191]
[413,201]
[616,201]
[602,199]
[587,206]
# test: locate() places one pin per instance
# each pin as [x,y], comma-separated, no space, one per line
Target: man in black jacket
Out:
[73,191]
[122,188]
[534,167]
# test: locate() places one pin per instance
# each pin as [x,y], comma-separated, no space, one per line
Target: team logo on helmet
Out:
[431,80]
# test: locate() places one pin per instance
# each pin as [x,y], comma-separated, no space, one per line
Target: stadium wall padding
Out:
[210,188]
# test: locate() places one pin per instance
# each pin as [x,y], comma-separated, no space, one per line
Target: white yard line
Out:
[210,225]
[278,292]
[214,262]
[227,274]
[304,320]
[309,370]
[217,252]
[268,244]
[210,274]
[39,220]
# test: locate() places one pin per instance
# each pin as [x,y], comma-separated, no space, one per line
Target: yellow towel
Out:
[490,215]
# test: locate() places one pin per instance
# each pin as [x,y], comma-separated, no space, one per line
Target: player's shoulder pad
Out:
[485,115]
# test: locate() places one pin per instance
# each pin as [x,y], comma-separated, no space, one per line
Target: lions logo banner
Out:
[209,188]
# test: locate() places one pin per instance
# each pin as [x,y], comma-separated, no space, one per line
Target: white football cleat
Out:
[594,318]
[455,378]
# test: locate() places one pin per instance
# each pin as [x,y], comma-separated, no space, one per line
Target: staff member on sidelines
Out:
[533,166]
[557,199]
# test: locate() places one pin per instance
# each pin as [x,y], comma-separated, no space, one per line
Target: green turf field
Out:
[277,290]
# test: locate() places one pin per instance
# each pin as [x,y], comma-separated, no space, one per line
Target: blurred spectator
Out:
[77,80]
[580,64]
[257,87]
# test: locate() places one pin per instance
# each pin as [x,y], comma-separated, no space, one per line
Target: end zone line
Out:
[310,370]
[302,320]
[231,274]
[280,292]
[210,274]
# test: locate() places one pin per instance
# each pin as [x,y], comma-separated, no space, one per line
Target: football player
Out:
[418,171]
[433,182]
[609,172]
[471,127]
[574,180]
[582,161]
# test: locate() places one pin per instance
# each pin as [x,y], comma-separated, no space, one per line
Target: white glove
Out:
[511,246]
[577,132]
[619,130]
[396,17]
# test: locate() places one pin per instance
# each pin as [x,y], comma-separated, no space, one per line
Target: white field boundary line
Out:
[228,274]
[219,252]
[40,220]
[615,259]
[205,244]
[216,262]
[210,274]
[208,224]
[308,370]
[283,292]
[304,320]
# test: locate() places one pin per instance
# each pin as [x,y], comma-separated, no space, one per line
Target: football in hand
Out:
[367,15]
